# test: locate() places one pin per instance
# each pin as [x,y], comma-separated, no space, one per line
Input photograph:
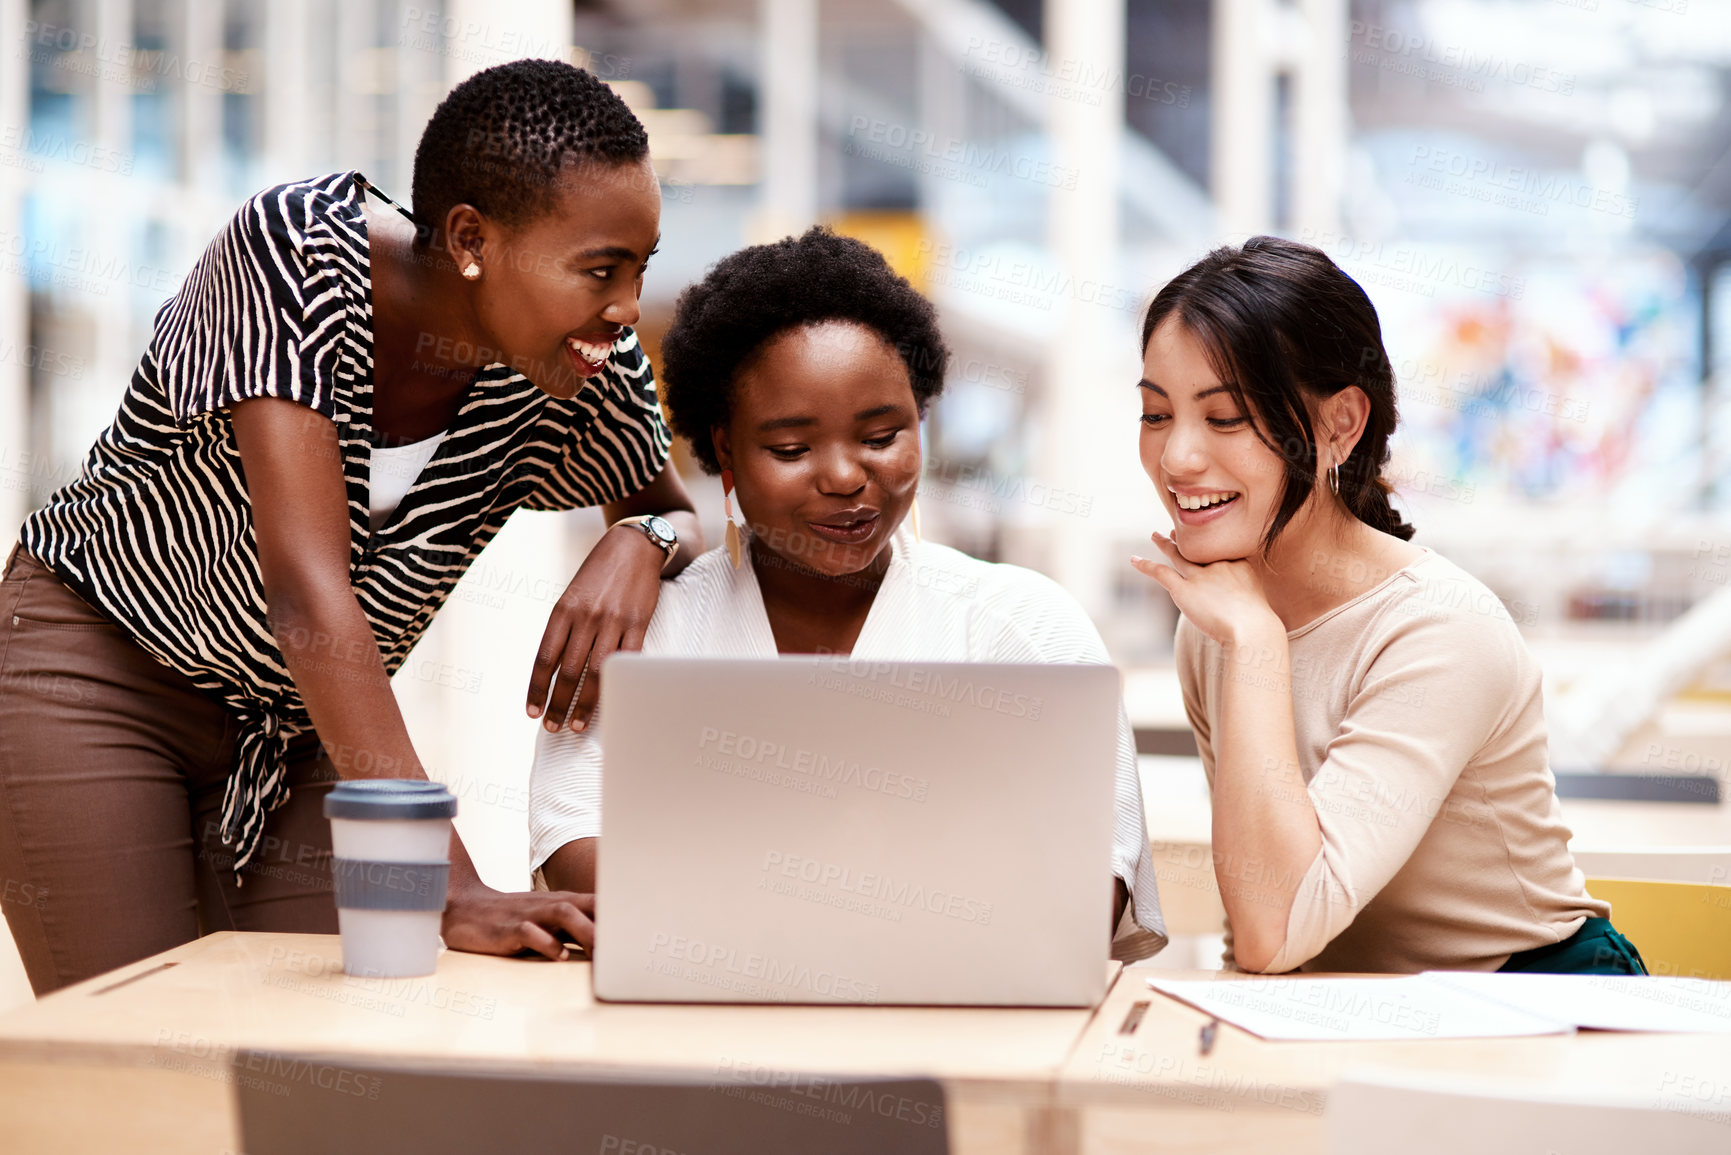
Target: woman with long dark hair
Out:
[337,411]
[1368,715]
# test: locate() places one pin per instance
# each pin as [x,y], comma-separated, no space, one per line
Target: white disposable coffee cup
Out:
[391,839]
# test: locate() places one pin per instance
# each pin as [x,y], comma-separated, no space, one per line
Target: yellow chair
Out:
[1680,928]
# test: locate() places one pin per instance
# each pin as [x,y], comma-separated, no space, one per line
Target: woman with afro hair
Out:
[799,371]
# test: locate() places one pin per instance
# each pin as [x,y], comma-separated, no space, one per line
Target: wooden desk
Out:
[137,1060]
[1150,1090]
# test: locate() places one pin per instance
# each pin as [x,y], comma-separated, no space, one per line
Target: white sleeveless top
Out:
[393,475]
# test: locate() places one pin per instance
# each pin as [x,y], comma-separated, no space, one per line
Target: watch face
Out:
[661,528]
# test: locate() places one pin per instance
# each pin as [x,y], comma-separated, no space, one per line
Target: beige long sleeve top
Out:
[1421,737]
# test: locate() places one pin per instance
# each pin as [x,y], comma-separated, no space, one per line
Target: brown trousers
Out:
[112,769]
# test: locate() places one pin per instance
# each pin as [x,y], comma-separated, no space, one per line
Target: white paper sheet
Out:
[1456,1005]
[1407,1007]
[1607,1002]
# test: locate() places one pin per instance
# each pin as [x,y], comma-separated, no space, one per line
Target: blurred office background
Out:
[1535,193]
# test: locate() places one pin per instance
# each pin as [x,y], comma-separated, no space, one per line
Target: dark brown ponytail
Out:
[1282,324]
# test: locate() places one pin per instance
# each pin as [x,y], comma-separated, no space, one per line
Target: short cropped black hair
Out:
[762,291]
[501,138]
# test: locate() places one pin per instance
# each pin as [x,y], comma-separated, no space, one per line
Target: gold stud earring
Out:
[472,271]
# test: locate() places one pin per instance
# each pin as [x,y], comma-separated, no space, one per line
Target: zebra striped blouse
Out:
[157,533]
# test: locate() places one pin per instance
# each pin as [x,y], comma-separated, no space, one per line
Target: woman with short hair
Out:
[336,413]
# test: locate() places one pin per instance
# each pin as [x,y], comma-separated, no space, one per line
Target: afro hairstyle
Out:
[766,290]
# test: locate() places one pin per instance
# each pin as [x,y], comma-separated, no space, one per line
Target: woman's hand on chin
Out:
[1223,599]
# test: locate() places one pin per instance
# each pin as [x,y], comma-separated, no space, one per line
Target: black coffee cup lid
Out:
[391,799]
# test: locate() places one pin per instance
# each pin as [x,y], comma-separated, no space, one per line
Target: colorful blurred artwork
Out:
[1576,384]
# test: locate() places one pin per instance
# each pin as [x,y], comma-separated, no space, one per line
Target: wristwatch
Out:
[658,530]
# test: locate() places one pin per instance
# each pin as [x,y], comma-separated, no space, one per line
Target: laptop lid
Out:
[818,830]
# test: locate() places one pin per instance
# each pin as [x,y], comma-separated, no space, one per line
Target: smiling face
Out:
[1219,482]
[824,444]
[557,290]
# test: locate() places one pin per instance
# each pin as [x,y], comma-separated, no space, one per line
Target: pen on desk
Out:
[1206,1042]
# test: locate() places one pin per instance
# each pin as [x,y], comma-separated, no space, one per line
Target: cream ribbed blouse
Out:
[1421,736]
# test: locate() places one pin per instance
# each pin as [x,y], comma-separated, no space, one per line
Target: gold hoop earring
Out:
[1334,479]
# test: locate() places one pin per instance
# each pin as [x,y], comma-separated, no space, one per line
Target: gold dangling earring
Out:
[914,518]
[1334,479]
[734,547]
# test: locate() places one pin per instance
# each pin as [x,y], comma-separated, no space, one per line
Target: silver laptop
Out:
[818,830]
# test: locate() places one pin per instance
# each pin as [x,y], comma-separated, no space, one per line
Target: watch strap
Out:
[641,523]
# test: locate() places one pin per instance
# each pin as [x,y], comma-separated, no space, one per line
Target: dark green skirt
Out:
[1595,949]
